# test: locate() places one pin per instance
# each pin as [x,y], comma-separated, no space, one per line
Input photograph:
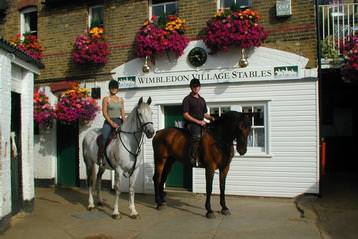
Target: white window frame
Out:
[159,4]
[237,106]
[90,13]
[22,19]
[220,4]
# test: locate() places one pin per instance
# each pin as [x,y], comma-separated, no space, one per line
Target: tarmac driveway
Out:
[62,214]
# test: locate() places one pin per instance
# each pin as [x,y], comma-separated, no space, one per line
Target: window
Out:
[162,7]
[28,21]
[96,16]
[217,111]
[257,141]
[229,3]
[257,136]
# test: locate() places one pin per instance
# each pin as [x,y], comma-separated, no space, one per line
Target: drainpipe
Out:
[319,74]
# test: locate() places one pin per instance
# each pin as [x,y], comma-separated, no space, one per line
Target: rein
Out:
[139,142]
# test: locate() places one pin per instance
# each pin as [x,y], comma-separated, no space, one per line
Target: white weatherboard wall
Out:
[17,76]
[291,165]
[45,148]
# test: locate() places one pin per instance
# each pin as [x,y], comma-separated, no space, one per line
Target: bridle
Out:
[141,125]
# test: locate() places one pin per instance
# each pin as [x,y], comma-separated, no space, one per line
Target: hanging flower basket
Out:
[91,47]
[238,28]
[43,112]
[76,105]
[350,53]
[160,35]
[28,44]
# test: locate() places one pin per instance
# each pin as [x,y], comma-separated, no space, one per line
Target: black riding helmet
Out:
[113,84]
[195,82]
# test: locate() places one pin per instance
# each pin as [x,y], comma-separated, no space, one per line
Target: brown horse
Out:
[216,152]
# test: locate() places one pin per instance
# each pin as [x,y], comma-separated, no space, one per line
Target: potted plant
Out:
[75,105]
[29,44]
[43,111]
[91,47]
[161,35]
[234,28]
[350,54]
[330,55]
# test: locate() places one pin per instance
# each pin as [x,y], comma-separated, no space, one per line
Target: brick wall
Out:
[59,26]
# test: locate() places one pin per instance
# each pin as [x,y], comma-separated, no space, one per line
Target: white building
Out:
[17,74]
[283,151]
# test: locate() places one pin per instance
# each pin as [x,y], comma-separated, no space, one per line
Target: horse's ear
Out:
[140,100]
[149,100]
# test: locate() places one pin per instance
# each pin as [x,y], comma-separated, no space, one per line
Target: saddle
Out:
[112,136]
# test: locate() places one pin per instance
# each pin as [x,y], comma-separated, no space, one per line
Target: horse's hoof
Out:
[89,208]
[116,216]
[210,215]
[225,212]
[161,206]
[100,204]
[134,216]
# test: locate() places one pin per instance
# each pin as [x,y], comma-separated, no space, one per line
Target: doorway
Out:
[180,175]
[16,165]
[67,155]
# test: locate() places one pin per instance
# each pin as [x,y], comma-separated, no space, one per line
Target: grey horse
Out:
[121,154]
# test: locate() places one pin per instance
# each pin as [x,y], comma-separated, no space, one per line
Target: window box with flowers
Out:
[234,28]
[29,44]
[91,47]
[44,113]
[350,52]
[160,35]
[75,105]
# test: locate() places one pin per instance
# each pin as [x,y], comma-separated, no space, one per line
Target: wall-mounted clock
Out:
[197,56]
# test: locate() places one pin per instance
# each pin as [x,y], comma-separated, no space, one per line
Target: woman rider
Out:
[113,113]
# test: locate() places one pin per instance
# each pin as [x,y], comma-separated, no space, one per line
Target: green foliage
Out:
[328,50]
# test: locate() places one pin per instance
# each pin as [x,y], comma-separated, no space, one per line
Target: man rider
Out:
[194,112]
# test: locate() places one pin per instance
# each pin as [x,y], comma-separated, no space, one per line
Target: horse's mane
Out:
[225,126]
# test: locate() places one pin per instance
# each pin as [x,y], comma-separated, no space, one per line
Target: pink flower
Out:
[239,29]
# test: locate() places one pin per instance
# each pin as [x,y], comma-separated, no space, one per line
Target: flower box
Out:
[28,44]
[234,28]
[91,47]
[161,35]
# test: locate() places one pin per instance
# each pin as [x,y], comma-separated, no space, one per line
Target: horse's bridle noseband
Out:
[142,125]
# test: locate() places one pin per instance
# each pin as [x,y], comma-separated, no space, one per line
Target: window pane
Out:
[171,9]
[259,137]
[97,16]
[214,111]
[160,1]
[250,139]
[225,109]
[259,115]
[158,10]
[30,22]
[228,3]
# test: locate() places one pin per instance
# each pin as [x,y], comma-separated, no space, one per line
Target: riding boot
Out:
[194,152]
[100,155]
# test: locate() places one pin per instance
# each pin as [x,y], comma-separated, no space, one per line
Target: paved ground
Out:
[62,214]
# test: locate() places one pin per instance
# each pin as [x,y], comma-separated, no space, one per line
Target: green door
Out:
[67,155]
[180,175]
[16,173]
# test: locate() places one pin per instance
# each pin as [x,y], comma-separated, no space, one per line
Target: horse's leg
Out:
[117,184]
[209,175]
[223,174]
[166,171]
[132,180]
[91,173]
[157,177]
[99,185]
